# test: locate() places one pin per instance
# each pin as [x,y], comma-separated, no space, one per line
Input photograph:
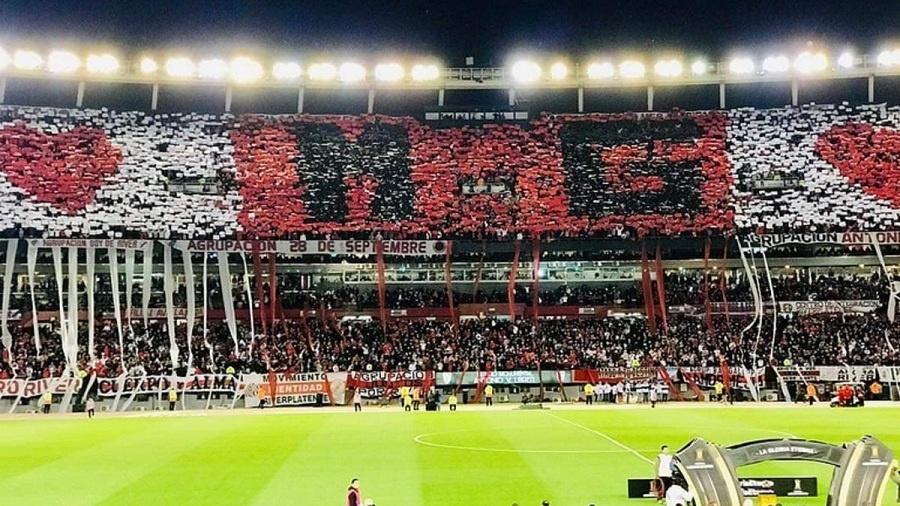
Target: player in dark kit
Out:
[353,496]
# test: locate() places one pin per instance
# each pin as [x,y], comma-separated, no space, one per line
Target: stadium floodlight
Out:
[148,65]
[741,65]
[102,64]
[699,67]
[559,71]
[668,68]
[24,59]
[389,72]
[525,71]
[846,60]
[213,68]
[322,72]
[245,70]
[351,72]
[600,70]
[287,71]
[62,62]
[776,64]
[810,63]
[425,72]
[5,60]
[179,66]
[631,69]
[888,58]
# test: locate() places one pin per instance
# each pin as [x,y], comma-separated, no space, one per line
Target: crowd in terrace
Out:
[326,344]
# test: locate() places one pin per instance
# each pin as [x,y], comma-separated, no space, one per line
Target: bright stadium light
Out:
[425,72]
[741,65]
[322,72]
[559,71]
[668,68]
[62,62]
[600,70]
[389,72]
[179,66]
[350,72]
[810,63]
[27,60]
[846,60]
[776,64]
[102,64]
[5,60]
[148,66]
[699,67]
[287,71]
[888,58]
[525,71]
[213,68]
[245,70]
[631,69]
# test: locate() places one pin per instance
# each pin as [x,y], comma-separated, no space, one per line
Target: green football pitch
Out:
[475,456]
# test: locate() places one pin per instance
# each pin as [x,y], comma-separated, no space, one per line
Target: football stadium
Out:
[295,275]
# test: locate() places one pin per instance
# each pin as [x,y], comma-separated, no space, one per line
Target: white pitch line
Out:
[420,439]
[606,437]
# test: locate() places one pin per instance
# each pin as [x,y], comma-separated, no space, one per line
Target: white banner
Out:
[91,243]
[29,389]
[191,310]
[72,314]
[129,281]
[314,247]
[160,385]
[828,306]
[841,238]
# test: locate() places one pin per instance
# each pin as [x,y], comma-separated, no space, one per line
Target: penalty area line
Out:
[604,436]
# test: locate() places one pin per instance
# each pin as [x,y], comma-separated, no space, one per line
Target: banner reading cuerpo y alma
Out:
[156,385]
[316,247]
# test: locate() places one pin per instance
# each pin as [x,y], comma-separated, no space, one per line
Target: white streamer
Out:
[72,338]
[227,302]
[249,301]
[191,304]
[89,290]
[57,270]
[774,304]
[112,255]
[212,361]
[31,264]
[169,289]
[148,282]
[129,282]
[11,247]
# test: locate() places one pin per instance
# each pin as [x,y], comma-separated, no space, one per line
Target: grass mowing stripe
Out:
[229,469]
[604,436]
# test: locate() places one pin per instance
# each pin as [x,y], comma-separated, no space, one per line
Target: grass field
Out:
[471,457]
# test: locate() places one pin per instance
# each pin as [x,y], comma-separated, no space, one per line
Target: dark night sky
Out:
[487,29]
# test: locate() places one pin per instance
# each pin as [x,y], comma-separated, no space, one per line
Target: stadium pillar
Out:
[721,95]
[154,97]
[2,90]
[581,99]
[79,97]
[649,98]
[871,88]
[371,107]
[441,97]
[228,93]
[300,100]
[512,97]
[795,92]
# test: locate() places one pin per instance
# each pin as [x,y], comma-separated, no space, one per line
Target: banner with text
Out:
[361,247]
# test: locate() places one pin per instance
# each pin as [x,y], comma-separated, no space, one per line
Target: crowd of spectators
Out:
[326,344]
